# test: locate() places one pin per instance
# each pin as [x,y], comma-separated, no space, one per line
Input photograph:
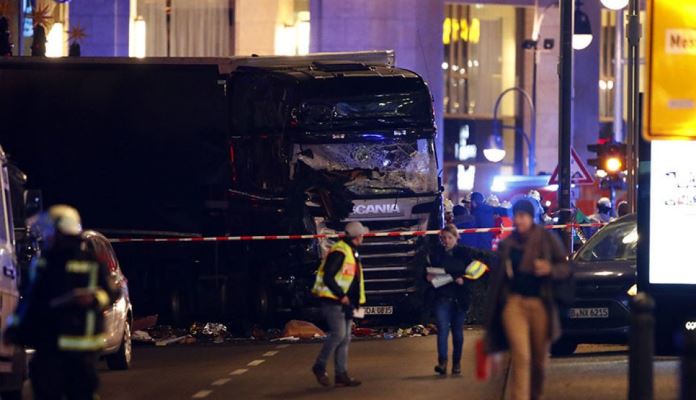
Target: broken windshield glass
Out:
[374,168]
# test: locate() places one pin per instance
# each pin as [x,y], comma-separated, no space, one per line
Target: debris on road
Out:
[167,342]
[302,330]
[145,323]
[142,337]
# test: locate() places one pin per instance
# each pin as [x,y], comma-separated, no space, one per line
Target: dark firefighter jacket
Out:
[66,297]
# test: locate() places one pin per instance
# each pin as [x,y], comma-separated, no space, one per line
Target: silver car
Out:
[118,319]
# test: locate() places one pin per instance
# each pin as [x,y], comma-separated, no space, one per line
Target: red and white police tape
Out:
[329,236]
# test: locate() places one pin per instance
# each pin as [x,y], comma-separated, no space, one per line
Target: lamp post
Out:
[496,148]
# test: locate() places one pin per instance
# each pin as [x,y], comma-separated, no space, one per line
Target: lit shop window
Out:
[293,39]
[480,57]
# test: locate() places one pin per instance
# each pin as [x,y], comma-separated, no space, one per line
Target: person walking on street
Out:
[522,316]
[451,301]
[341,289]
[61,316]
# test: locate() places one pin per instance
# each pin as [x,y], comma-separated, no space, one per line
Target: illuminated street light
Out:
[55,40]
[615,4]
[582,34]
[614,165]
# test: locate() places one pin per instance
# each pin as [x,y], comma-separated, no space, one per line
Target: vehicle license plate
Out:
[582,313]
[379,310]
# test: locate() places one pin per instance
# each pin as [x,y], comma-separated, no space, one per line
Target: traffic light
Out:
[610,161]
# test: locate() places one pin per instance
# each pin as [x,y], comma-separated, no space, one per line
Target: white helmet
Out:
[493,201]
[604,202]
[535,195]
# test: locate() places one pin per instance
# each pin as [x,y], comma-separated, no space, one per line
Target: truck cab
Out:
[329,142]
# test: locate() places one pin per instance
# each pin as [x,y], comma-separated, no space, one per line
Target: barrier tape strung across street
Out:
[243,238]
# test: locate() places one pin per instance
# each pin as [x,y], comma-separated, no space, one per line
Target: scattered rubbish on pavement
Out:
[302,330]
[167,342]
[142,337]
[145,323]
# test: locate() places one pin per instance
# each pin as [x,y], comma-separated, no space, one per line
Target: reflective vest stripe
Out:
[475,270]
[344,277]
[81,343]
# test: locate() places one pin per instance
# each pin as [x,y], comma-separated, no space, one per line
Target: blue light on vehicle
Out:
[373,136]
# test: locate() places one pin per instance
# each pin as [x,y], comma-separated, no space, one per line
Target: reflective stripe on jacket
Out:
[345,275]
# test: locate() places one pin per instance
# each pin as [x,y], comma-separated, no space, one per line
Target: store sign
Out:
[672,212]
[671,58]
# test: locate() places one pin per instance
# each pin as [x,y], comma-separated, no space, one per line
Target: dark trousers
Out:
[450,318]
[64,375]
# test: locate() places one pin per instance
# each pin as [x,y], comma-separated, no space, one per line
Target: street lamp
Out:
[495,152]
[582,34]
[615,4]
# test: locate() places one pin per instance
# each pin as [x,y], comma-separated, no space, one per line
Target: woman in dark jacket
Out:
[523,313]
[452,299]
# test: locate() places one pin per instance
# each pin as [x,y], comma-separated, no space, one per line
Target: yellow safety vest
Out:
[344,277]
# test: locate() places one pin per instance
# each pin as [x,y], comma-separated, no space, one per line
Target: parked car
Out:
[605,278]
[118,319]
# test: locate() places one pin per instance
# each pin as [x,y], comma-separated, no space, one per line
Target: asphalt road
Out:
[390,369]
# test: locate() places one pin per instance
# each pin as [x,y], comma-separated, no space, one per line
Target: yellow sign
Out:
[671,59]
[455,29]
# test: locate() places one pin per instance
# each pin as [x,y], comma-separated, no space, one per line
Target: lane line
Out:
[239,371]
[282,346]
[270,353]
[202,394]
[256,363]
[221,382]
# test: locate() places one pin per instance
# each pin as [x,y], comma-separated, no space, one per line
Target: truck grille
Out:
[391,265]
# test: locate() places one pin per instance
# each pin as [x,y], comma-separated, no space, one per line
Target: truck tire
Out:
[121,360]
[263,312]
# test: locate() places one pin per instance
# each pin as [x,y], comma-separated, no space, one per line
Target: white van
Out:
[12,358]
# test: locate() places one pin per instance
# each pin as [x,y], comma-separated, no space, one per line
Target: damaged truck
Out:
[241,146]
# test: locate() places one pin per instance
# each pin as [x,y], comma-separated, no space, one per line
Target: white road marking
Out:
[270,353]
[202,394]
[282,346]
[238,371]
[256,363]
[220,382]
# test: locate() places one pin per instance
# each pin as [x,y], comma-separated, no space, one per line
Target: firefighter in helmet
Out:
[61,315]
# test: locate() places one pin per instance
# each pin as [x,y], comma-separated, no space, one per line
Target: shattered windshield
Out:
[375,168]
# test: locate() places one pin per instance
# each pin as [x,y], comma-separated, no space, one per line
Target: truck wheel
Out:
[263,309]
[121,360]
[564,347]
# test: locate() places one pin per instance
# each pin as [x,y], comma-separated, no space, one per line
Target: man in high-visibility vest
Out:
[341,289]
[61,316]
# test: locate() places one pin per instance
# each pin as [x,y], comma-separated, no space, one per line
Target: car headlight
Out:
[633,290]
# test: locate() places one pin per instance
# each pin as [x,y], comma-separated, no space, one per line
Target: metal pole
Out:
[20,27]
[618,77]
[641,350]
[688,365]
[533,114]
[565,117]
[633,33]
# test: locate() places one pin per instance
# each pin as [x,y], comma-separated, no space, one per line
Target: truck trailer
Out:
[239,146]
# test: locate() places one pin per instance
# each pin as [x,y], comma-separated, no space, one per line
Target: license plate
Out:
[583,313]
[379,310]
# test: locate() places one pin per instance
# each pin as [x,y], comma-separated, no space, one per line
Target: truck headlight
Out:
[633,290]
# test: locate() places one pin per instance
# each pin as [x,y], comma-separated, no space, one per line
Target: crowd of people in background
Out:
[478,211]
